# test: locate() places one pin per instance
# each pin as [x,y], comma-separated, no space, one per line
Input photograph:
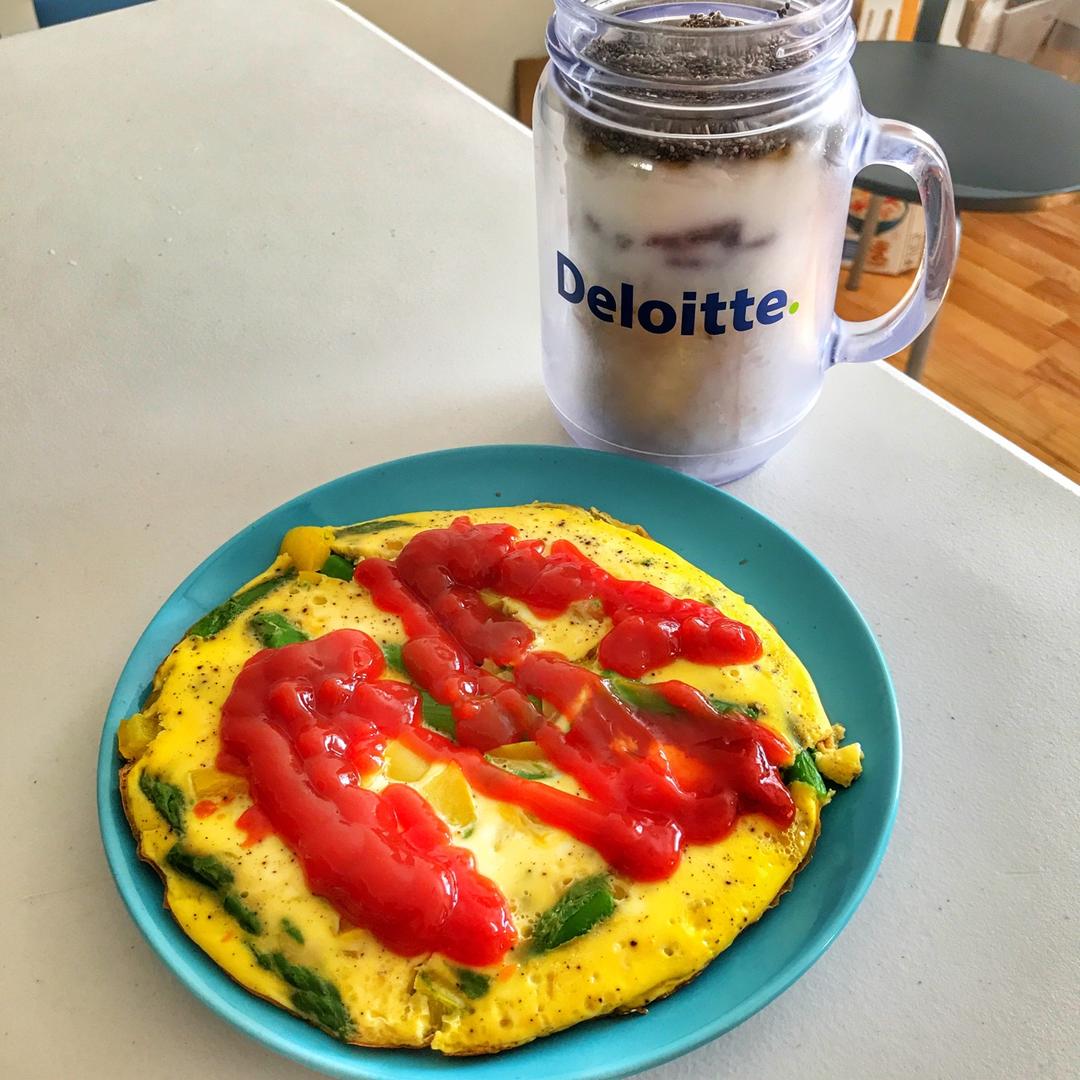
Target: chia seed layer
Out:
[712,21]
[626,56]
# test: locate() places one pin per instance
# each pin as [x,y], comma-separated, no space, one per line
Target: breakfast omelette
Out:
[465,779]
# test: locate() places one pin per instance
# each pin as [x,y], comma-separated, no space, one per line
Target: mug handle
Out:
[892,142]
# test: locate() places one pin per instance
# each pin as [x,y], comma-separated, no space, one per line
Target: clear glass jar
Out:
[693,185]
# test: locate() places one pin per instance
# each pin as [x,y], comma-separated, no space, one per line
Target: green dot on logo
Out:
[794,307]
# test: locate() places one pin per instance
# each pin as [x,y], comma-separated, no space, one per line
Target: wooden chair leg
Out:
[916,361]
[866,238]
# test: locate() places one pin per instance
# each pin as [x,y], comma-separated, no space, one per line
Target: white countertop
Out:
[247,247]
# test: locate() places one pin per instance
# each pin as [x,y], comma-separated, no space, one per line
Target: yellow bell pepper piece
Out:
[449,793]
[135,734]
[208,783]
[518,751]
[308,546]
[404,765]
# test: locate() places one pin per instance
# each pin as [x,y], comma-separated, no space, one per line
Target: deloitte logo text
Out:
[660,317]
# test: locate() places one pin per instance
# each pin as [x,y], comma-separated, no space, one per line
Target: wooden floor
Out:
[1006,348]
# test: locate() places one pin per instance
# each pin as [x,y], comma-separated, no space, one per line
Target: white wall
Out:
[476,41]
[16,16]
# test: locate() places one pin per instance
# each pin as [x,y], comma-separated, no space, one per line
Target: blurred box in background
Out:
[898,243]
[885,20]
[527,74]
[1045,33]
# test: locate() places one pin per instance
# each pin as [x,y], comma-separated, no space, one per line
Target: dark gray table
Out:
[1010,131]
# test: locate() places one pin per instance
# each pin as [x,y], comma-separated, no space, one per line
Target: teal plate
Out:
[711,529]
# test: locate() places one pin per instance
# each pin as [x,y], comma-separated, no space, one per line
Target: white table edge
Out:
[988,432]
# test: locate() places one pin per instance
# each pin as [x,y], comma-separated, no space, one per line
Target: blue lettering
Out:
[771,306]
[689,314]
[711,308]
[602,303]
[563,264]
[626,305]
[740,303]
[668,318]
[656,316]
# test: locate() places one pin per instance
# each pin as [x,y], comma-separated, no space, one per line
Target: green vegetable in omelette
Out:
[438,716]
[527,770]
[639,695]
[247,918]
[337,566]
[205,869]
[392,655]
[473,984]
[213,622]
[274,630]
[804,769]
[293,931]
[168,800]
[366,527]
[578,910]
[440,992]
[752,711]
[314,996]
[215,875]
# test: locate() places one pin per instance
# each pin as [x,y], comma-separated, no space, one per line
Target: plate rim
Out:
[123,858]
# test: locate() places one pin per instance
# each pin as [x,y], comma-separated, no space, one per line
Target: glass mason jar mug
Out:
[694,165]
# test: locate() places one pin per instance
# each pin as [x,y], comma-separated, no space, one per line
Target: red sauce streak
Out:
[304,723]
[255,824]
[656,782]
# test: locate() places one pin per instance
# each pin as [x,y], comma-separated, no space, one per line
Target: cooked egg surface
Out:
[241,894]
